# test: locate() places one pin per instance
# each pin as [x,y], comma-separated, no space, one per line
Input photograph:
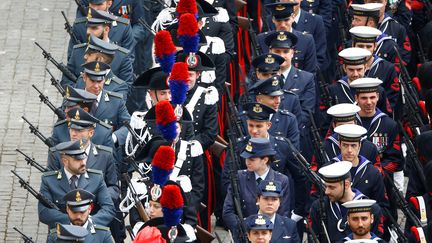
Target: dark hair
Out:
[108,58]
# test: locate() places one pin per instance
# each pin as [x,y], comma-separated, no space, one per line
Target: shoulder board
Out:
[94,171]
[279,138]
[117,80]
[104,148]
[104,124]
[115,94]
[284,112]
[100,227]
[288,92]
[80,20]
[50,173]
[60,122]
[313,14]
[241,139]
[123,20]
[80,45]
[123,50]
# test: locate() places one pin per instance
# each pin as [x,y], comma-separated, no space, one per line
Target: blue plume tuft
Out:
[168,131]
[166,62]
[160,176]
[189,43]
[178,89]
[172,217]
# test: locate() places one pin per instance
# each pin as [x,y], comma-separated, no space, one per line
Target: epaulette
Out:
[100,227]
[106,125]
[94,171]
[289,92]
[117,80]
[60,122]
[280,138]
[284,112]
[313,14]
[80,20]
[241,139]
[104,148]
[115,94]
[123,20]
[123,50]
[80,45]
[50,173]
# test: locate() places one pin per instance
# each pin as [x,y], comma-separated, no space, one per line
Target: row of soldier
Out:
[113,125]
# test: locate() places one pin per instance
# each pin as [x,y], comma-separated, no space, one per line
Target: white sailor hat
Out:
[368,9]
[350,132]
[343,112]
[366,85]
[361,241]
[354,55]
[357,206]
[365,34]
[335,172]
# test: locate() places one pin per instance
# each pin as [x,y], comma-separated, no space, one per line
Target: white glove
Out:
[190,232]
[398,178]
[295,217]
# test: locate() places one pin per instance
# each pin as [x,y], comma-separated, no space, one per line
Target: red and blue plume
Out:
[164,50]
[178,83]
[187,6]
[172,205]
[187,33]
[166,120]
[162,164]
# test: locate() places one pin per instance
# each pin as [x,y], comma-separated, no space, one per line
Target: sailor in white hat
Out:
[360,220]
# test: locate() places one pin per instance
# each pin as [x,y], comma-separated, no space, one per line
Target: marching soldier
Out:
[268,200]
[259,228]
[259,155]
[73,175]
[337,179]
[78,207]
[360,219]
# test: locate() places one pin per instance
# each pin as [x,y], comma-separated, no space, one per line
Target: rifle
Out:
[81,7]
[58,65]
[239,129]
[344,24]
[420,51]
[41,198]
[23,236]
[38,134]
[318,144]
[325,96]
[32,162]
[140,208]
[69,29]
[395,227]
[256,48]
[43,98]
[56,83]
[404,206]
[315,179]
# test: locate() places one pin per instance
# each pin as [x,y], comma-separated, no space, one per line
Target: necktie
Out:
[258,181]
[73,182]
[294,24]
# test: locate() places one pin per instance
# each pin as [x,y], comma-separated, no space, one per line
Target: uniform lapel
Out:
[102,106]
[278,229]
[291,80]
[63,181]
[91,159]
[83,180]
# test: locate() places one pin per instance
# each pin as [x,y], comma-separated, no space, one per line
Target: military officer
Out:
[258,154]
[109,106]
[117,29]
[259,228]
[360,219]
[354,65]
[99,157]
[305,56]
[268,201]
[364,176]
[70,233]
[365,37]
[74,174]
[337,180]
[78,208]
[75,98]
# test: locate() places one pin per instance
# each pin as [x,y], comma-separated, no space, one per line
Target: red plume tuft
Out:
[187,6]
[172,197]
[180,71]
[188,25]
[164,113]
[163,43]
[164,158]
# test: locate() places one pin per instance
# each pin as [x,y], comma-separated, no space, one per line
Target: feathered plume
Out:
[178,83]
[164,50]
[162,164]
[187,6]
[172,205]
[187,33]
[166,120]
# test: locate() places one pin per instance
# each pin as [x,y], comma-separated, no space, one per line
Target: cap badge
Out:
[269,60]
[260,220]
[82,145]
[270,187]
[257,108]
[155,192]
[78,197]
[77,115]
[67,93]
[280,7]
[97,68]
[249,147]
[275,82]
[192,61]
[282,37]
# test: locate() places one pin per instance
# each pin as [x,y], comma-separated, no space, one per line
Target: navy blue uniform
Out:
[291,102]
[248,192]
[322,8]
[102,134]
[112,83]
[385,48]
[373,237]
[396,31]
[121,65]
[305,51]
[55,185]
[337,215]
[285,230]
